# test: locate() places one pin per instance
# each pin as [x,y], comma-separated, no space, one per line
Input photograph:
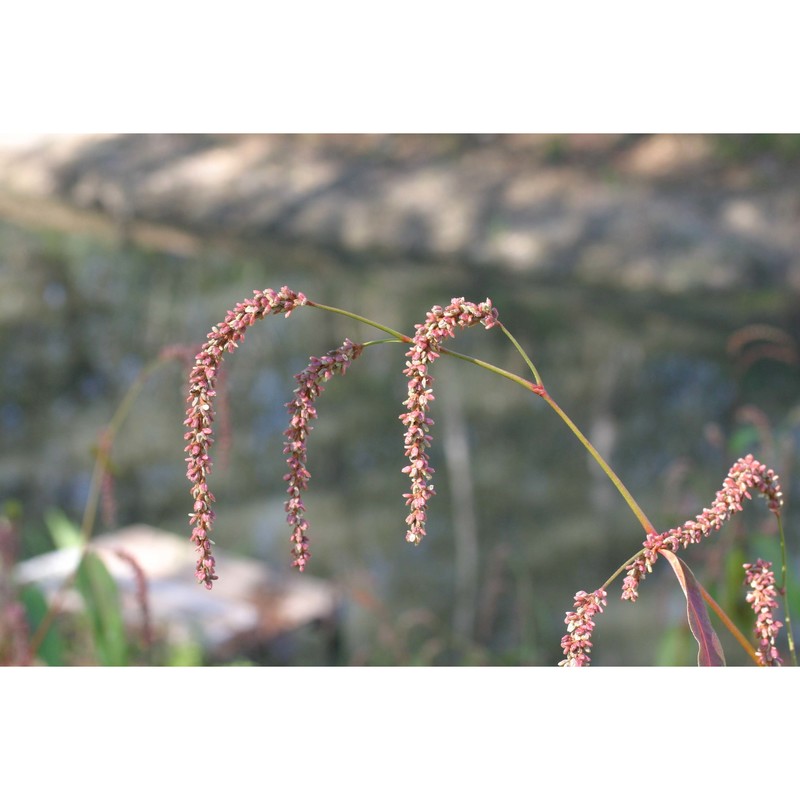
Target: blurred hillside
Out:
[668,212]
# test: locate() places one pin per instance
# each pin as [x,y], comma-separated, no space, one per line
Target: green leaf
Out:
[63,532]
[710,649]
[51,650]
[103,609]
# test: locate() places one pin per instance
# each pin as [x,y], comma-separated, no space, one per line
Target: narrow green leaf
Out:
[709,647]
[103,609]
[62,530]
[51,650]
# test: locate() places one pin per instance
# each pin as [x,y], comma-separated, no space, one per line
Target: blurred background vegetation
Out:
[653,280]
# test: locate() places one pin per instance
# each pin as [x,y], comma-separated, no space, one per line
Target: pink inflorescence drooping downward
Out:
[440,324]
[747,473]
[760,580]
[200,415]
[577,643]
[302,409]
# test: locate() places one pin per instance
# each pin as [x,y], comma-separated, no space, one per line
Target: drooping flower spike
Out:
[760,580]
[440,324]
[747,473]
[200,414]
[302,409]
[577,643]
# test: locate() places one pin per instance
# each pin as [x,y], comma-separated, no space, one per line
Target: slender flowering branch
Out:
[761,597]
[747,473]
[426,346]
[439,324]
[577,643]
[302,409]
[202,379]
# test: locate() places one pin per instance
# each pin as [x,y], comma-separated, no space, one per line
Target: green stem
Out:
[524,382]
[622,568]
[634,506]
[640,515]
[784,590]
[106,441]
[358,318]
[522,353]
[728,623]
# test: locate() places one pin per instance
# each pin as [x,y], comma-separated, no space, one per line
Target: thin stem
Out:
[621,488]
[396,334]
[524,382]
[104,445]
[104,448]
[784,590]
[728,623]
[623,567]
[521,352]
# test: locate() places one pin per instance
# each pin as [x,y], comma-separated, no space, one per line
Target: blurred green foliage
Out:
[737,148]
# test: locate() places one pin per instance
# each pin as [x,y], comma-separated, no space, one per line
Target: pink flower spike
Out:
[577,643]
[760,579]
[200,414]
[302,409]
[746,473]
[440,324]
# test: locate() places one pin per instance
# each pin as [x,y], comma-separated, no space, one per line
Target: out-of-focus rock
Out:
[249,606]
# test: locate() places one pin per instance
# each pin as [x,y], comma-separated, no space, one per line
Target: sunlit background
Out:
[653,281]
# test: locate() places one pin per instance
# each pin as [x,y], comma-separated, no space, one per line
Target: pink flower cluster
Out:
[302,409]
[761,580]
[577,643]
[439,324]
[747,473]
[225,336]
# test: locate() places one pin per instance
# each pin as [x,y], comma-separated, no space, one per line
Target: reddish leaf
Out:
[710,650]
